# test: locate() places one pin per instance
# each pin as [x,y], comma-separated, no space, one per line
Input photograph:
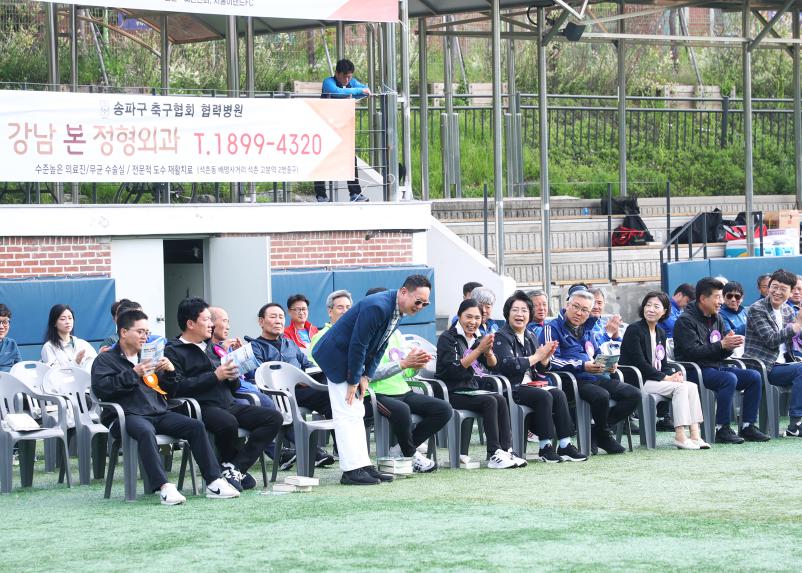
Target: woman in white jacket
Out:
[62,349]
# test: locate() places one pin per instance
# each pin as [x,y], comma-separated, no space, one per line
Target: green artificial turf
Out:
[733,508]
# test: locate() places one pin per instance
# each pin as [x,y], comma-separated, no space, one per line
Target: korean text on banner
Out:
[332,10]
[77,137]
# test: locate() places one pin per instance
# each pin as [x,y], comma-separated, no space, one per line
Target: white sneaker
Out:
[519,462]
[686,445]
[500,460]
[464,459]
[221,489]
[530,437]
[421,464]
[395,452]
[170,495]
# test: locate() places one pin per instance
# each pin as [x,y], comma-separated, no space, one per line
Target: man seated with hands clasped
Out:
[698,338]
[141,389]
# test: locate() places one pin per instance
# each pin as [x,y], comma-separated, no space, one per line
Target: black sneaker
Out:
[321,199]
[358,198]
[793,431]
[548,455]
[323,458]
[608,443]
[665,424]
[287,459]
[248,481]
[570,454]
[725,435]
[232,476]
[381,476]
[751,433]
[633,426]
[358,477]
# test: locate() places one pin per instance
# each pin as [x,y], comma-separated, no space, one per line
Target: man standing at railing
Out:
[343,84]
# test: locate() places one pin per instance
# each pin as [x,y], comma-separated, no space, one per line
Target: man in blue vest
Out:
[349,354]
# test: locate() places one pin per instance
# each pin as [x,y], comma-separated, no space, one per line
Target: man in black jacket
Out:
[202,376]
[699,336]
[141,389]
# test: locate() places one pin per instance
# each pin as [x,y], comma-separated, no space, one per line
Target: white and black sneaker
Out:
[232,475]
[421,464]
[170,495]
[548,455]
[519,461]
[570,454]
[500,460]
[221,489]
[793,431]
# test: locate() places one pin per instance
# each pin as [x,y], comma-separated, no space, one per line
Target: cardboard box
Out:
[786,219]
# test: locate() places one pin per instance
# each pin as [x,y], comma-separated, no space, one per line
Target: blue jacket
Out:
[354,345]
[671,319]
[353,89]
[9,354]
[600,331]
[290,353]
[571,354]
[736,321]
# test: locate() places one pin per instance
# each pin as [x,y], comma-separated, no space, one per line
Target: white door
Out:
[238,279]
[137,267]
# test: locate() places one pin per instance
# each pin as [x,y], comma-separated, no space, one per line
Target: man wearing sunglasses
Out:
[349,354]
[733,312]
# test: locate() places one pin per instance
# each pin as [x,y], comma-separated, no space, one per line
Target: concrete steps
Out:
[579,234]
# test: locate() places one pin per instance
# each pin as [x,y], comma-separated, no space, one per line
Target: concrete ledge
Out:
[260,218]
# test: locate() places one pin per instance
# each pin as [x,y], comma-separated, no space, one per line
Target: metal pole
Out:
[797,114]
[448,142]
[668,215]
[53,76]
[76,187]
[232,73]
[485,214]
[423,106]
[340,41]
[512,148]
[406,121]
[497,143]
[74,46]
[373,136]
[165,55]
[749,183]
[610,232]
[250,79]
[391,113]
[622,109]
[543,124]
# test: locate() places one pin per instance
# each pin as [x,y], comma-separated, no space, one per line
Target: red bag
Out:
[736,232]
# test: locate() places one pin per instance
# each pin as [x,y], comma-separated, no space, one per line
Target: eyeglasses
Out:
[299,309]
[734,295]
[579,309]
[6,322]
[421,303]
[140,331]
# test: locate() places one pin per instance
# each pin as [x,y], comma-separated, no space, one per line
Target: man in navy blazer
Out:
[349,353]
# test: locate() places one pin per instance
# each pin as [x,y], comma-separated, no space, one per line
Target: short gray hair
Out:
[536,292]
[338,294]
[483,295]
[596,290]
[581,294]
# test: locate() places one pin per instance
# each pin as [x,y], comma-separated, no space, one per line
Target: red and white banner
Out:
[333,10]
[50,136]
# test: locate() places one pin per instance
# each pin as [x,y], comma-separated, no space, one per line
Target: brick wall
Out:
[339,248]
[22,257]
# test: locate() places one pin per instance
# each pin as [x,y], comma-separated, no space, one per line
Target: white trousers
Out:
[349,428]
[684,396]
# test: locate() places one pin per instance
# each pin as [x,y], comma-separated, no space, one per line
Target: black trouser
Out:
[314,400]
[496,418]
[598,391]
[144,429]
[353,186]
[399,409]
[224,423]
[551,417]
